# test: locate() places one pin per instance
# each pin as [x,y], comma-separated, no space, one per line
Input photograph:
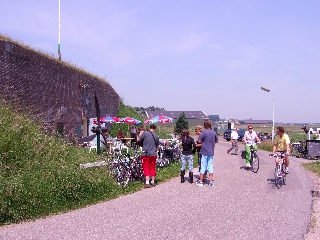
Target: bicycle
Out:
[254,159]
[126,168]
[172,152]
[162,159]
[279,172]
[298,149]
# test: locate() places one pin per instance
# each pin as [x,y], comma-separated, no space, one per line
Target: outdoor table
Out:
[127,139]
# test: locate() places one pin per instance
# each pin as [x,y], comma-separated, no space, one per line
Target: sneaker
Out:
[210,184]
[286,171]
[200,184]
[146,186]
[153,184]
[228,151]
[248,166]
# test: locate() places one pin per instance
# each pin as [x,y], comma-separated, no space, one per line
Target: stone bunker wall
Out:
[49,88]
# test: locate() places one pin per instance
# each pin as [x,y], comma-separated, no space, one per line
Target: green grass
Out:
[266,145]
[40,175]
[313,167]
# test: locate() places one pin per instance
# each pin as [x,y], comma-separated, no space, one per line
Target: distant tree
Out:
[214,118]
[242,122]
[181,123]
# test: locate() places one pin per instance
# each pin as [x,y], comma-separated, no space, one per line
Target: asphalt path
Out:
[240,205]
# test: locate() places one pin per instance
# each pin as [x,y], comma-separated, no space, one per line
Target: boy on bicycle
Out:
[250,137]
[282,144]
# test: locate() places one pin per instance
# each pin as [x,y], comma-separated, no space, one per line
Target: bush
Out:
[266,145]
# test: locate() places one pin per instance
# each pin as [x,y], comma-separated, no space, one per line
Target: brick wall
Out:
[49,89]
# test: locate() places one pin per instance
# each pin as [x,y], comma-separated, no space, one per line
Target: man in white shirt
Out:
[234,141]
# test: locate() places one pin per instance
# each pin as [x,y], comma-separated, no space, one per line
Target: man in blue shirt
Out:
[208,138]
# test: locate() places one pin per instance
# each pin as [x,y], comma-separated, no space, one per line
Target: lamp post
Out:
[268,90]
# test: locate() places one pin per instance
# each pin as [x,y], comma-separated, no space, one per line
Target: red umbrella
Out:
[130,120]
[158,119]
[110,119]
[107,119]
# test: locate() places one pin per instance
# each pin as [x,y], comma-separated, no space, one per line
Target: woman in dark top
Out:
[189,148]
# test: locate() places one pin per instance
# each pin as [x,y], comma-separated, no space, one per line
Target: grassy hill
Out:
[40,175]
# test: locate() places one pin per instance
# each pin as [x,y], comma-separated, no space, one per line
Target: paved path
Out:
[241,205]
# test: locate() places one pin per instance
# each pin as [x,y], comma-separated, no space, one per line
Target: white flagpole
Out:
[59,54]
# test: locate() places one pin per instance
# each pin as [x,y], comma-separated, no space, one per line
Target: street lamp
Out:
[268,90]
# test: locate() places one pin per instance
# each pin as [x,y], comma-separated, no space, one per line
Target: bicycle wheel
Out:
[251,161]
[121,175]
[276,177]
[126,178]
[177,155]
[255,163]
[284,175]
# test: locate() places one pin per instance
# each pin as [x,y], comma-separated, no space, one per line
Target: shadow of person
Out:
[245,168]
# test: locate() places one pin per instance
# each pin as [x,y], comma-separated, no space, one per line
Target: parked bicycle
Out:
[279,172]
[161,161]
[306,149]
[126,168]
[298,149]
[172,152]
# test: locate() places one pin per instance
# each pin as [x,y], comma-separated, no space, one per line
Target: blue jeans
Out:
[206,164]
[184,160]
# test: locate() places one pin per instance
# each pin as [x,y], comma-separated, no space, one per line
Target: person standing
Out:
[120,136]
[208,138]
[188,149]
[250,138]
[150,145]
[198,131]
[282,144]
[234,140]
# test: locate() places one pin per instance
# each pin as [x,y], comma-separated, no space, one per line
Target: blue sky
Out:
[207,55]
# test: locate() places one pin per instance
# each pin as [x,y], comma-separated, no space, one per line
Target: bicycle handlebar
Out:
[277,154]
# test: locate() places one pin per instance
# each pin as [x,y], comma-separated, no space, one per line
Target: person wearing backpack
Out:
[188,150]
[150,145]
